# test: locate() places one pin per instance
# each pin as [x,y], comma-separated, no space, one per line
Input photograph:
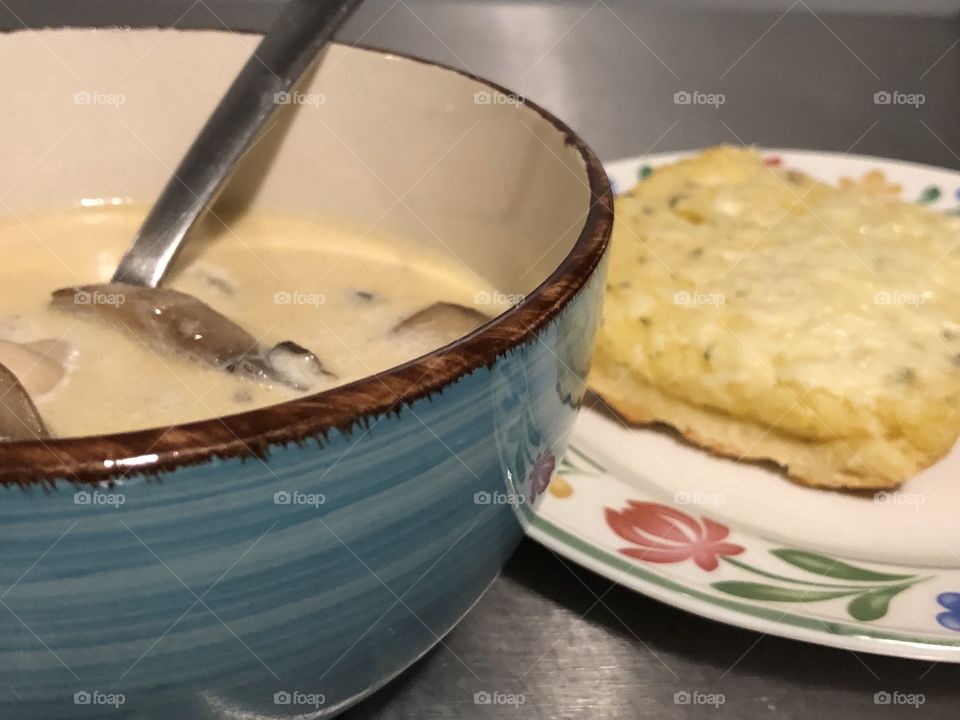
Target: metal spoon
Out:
[282,57]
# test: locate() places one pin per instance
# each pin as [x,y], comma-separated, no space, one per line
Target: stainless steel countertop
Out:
[794,74]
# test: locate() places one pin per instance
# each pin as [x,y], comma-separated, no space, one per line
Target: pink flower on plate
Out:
[663,534]
[541,473]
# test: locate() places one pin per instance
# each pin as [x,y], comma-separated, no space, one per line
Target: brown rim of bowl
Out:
[98,458]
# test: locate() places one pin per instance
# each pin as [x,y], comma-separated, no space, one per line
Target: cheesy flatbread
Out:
[766,315]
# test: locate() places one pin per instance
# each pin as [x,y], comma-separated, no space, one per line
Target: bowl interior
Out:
[385,144]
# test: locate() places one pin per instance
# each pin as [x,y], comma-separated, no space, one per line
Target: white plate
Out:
[877,574]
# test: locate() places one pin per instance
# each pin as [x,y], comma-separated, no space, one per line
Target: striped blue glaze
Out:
[200,596]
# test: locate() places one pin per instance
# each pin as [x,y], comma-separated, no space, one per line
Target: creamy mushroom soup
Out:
[292,305]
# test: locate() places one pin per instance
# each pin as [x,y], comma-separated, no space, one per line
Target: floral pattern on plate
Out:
[663,534]
[675,543]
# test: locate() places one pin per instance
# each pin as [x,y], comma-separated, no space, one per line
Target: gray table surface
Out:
[793,74]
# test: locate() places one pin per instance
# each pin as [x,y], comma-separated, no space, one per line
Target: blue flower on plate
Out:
[951,618]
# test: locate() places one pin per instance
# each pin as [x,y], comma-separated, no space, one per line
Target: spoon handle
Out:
[282,57]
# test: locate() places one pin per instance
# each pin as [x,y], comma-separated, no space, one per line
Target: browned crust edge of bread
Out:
[639,404]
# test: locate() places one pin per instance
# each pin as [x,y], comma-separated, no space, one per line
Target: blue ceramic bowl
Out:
[287,561]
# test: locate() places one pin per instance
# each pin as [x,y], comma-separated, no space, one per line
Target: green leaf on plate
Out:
[520,464]
[576,460]
[533,435]
[873,605]
[829,567]
[762,591]
[644,172]
[930,194]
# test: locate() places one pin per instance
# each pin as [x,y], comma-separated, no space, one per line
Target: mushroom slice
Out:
[172,322]
[286,362]
[444,320]
[19,419]
[298,363]
[39,365]
[53,348]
